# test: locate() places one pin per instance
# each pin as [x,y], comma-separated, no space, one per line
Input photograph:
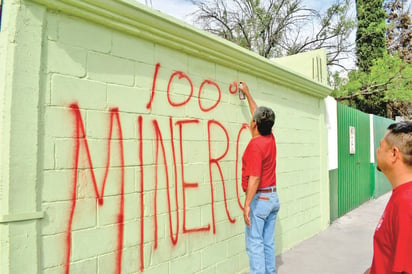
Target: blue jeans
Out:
[260,236]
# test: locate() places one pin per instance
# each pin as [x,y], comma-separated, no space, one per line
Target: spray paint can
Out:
[241,94]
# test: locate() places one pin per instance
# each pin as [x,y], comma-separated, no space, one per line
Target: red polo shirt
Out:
[259,159]
[392,243]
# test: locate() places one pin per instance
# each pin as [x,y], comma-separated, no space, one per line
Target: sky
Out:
[182,8]
[176,8]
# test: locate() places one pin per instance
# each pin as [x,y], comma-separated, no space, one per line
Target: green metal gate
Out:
[354,178]
[381,183]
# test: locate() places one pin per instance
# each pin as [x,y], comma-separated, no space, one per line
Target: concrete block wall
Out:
[135,134]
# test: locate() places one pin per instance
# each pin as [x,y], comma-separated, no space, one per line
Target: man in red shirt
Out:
[259,183]
[392,242]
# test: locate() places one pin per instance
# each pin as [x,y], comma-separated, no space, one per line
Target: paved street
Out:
[345,247]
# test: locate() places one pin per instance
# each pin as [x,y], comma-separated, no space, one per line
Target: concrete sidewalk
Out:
[344,247]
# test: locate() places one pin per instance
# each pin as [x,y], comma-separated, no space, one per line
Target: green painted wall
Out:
[334,194]
[311,64]
[114,116]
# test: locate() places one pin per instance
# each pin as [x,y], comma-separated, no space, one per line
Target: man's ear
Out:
[396,152]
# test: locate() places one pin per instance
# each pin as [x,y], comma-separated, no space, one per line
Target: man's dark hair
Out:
[265,119]
[400,135]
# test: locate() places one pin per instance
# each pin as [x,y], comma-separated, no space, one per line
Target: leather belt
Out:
[266,190]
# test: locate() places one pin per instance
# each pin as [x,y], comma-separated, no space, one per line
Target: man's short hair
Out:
[265,119]
[400,135]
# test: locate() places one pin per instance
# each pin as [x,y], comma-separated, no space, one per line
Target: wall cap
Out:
[138,20]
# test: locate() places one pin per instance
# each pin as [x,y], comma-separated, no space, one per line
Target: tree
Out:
[399,39]
[274,28]
[383,82]
[398,28]
[383,90]
[370,35]
[370,46]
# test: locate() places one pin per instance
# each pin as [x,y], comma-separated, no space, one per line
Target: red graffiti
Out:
[80,137]
[140,124]
[161,164]
[159,139]
[244,126]
[149,104]
[185,184]
[233,88]
[208,82]
[216,162]
[181,75]
[172,237]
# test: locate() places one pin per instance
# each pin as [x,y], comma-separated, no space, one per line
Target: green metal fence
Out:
[381,184]
[354,171]
[356,179]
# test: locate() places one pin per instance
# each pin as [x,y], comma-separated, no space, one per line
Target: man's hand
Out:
[367,271]
[252,186]
[246,215]
[251,102]
[244,88]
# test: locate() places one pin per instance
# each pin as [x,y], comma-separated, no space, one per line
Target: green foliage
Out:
[389,80]
[370,36]
[382,83]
